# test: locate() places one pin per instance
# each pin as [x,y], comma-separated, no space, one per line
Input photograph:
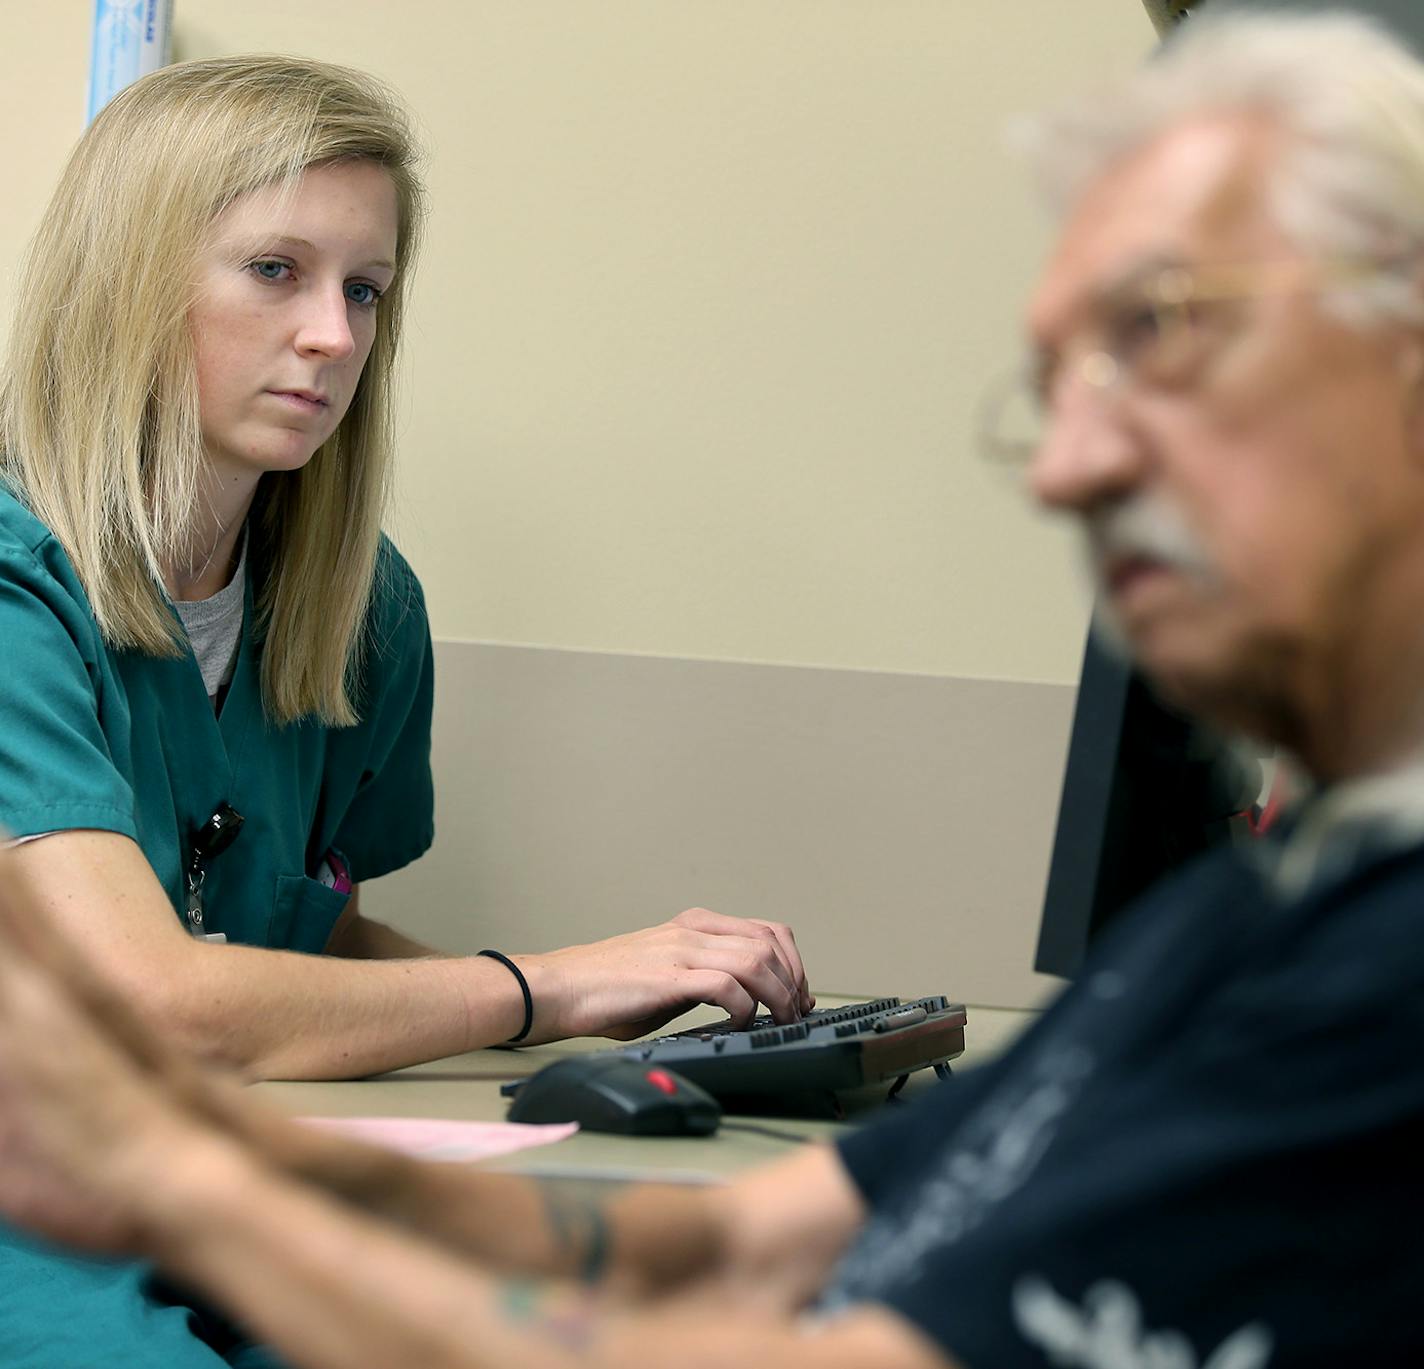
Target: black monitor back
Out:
[1144,790]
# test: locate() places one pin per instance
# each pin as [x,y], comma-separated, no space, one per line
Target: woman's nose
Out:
[325,328]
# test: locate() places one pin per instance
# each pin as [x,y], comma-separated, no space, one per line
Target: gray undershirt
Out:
[214,627]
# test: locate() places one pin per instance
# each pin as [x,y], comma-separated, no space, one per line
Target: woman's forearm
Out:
[282,1015]
[268,1013]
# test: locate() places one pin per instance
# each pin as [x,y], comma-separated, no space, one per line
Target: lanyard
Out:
[209,842]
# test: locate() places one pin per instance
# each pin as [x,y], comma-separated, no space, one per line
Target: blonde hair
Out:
[99,421]
[1348,98]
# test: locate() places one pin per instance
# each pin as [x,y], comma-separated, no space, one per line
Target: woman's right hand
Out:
[632,984]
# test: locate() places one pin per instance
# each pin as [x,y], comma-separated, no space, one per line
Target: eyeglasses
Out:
[1156,332]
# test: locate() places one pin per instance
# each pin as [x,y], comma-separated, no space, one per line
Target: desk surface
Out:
[466,1088]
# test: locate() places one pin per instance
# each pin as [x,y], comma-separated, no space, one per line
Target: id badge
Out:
[333,874]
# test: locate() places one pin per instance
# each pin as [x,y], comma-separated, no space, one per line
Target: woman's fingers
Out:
[757,966]
[633,983]
[791,953]
[777,935]
[722,990]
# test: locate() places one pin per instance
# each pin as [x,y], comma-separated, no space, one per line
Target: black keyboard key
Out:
[901,1017]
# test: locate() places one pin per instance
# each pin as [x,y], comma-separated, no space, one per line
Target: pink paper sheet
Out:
[437,1138]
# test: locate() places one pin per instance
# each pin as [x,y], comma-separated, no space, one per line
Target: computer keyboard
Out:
[830,1051]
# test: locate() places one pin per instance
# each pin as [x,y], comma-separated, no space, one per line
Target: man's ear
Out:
[1411,368]
[1411,363]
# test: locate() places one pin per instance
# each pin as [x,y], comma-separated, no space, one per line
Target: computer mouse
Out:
[617,1094]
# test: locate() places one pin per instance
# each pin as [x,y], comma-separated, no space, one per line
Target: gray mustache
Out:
[1149,527]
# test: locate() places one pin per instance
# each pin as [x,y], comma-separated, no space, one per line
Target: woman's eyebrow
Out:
[287,240]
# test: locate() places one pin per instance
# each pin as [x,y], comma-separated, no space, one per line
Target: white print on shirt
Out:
[1107,1333]
[1001,1145]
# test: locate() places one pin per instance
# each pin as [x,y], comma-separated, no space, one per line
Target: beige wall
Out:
[711,289]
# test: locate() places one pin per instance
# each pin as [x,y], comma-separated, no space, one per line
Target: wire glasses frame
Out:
[1154,333]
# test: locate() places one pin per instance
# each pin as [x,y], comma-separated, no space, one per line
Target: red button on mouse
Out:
[661,1079]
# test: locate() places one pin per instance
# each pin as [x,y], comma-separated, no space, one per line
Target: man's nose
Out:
[325,328]
[1089,455]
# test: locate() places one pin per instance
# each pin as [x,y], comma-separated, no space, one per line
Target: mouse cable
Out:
[775,1133]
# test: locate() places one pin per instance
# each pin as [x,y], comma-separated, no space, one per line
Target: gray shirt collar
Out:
[1335,828]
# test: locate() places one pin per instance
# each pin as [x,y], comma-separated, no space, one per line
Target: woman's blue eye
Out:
[361,293]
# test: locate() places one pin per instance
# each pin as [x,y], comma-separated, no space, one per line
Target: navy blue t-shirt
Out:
[1209,1154]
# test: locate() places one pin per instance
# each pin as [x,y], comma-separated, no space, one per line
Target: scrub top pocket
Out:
[303,913]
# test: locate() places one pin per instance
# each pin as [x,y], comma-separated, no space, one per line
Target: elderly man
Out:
[1206,1153]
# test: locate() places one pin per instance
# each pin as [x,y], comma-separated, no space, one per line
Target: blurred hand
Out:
[629,985]
[85,1122]
[98,1113]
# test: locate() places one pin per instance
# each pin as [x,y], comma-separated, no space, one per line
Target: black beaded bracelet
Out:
[523,988]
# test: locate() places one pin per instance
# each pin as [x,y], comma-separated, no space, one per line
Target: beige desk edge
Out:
[466,1088]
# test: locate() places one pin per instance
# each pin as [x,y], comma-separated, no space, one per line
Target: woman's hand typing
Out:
[630,985]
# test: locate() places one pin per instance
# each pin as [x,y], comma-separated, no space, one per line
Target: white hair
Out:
[1346,94]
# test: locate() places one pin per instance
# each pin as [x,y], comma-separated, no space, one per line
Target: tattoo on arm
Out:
[562,1315]
[579,1228]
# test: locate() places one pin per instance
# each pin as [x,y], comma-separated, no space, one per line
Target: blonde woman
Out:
[216,687]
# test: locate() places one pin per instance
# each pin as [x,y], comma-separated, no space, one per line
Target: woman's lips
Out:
[304,401]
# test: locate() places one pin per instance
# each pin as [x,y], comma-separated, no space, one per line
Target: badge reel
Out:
[209,842]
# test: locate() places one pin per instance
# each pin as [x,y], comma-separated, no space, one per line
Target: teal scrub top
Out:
[92,737]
